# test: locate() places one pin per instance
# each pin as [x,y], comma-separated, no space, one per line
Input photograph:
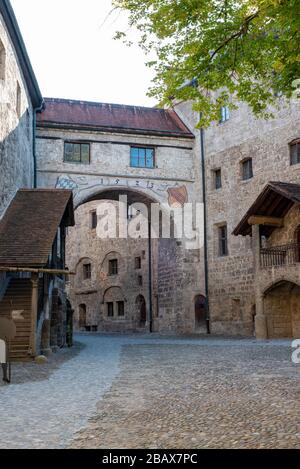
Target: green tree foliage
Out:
[237,50]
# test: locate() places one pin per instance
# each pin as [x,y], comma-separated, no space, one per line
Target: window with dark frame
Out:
[113,267]
[94,220]
[295,152]
[223,241]
[87,271]
[218,178]
[78,153]
[142,157]
[121,308]
[110,309]
[138,263]
[247,169]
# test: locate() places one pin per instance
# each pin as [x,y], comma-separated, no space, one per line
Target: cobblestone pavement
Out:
[142,392]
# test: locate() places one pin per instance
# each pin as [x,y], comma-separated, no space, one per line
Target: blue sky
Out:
[74,56]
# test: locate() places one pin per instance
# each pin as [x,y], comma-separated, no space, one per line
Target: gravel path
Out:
[142,392]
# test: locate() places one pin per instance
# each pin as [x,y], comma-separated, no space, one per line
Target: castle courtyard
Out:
[148,391]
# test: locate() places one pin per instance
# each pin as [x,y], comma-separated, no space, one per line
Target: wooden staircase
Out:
[18,298]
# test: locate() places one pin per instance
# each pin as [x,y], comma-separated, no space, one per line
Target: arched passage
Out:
[141,310]
[200,312]
[282,310]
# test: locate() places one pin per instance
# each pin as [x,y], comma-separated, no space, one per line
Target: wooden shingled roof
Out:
[30,224]
[275,200]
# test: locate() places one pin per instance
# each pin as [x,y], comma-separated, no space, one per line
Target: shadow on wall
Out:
[16,159]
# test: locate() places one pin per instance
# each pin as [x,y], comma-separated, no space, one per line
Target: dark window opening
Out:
[110,309]
[295,153]
[94,220]
[140,280]
[113,267]
[218,179]
[121,308]
[77,153]
[223,242]
[87,271]
[142,157]
[247,169]
[138,263]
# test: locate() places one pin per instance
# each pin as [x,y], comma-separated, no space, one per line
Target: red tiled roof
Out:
[112,117]
[30,224]
[275,200]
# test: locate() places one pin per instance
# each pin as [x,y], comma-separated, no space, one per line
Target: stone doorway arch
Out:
[141,310]
[82,317]
[282,310]
[200,312]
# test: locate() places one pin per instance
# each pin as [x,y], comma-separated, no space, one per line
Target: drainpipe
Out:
[202,140]
[150,278]
[35,111]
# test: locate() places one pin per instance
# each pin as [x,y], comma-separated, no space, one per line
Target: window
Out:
[121,308]
[140,280]
[142,157]
[18,101]
[94,220]
[113,267]
[225,114]
[2,61]
[110,310]
[77,153]
[247,169]
[295,152]
[138,263]
[217,179]
[87,271]
[223,247]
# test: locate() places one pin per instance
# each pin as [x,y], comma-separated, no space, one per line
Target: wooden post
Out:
[261,331]
[34,312]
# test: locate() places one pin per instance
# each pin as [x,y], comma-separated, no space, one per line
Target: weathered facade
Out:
[111,132]
[242,155]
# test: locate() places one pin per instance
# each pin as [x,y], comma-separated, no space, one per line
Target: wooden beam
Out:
[36,271]
[267,221]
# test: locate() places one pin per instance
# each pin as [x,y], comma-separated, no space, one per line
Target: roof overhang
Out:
[269,208]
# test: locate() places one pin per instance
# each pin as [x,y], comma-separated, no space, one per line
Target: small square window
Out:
[87,271]
[138,263]
[77,153]
[113,267]
[94,220]
[121,308]
[247,169]
[295,153]
[223,242]
[110,310]
[142,157]
[218,179]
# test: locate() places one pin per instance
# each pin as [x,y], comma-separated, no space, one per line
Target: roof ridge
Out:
[97,103]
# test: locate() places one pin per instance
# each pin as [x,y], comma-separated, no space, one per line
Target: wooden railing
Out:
[276,256]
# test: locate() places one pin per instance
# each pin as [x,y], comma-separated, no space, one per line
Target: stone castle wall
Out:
[16,128]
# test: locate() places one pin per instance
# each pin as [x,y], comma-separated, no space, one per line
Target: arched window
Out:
[2,61]
[295,152]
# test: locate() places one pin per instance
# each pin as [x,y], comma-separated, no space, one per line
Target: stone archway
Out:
[282,310]
[200,313]
[141,310]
